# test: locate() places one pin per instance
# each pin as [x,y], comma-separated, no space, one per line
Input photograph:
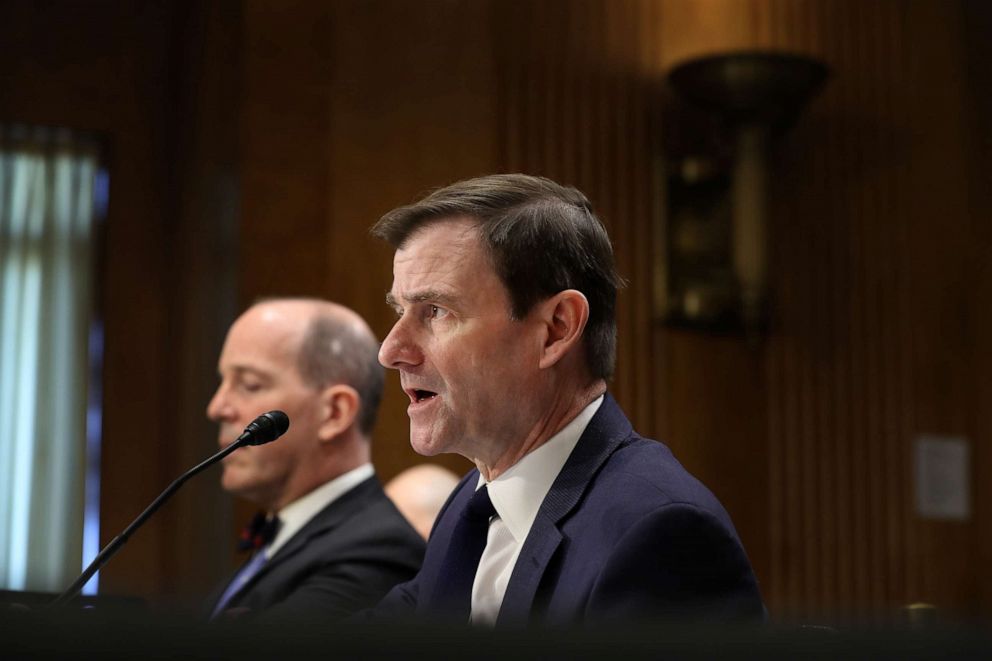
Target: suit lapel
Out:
[333,515]
[605,432]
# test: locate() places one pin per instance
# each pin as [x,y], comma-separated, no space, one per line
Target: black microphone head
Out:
[265,428]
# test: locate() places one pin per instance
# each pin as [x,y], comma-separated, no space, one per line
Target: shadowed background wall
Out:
[253,143]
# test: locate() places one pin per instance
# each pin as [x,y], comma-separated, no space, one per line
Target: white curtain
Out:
[47,181]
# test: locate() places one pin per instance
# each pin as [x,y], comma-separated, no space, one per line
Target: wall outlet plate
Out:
[943,477]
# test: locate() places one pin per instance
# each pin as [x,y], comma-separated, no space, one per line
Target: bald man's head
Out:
[314,360]
[339,347]
[420,492]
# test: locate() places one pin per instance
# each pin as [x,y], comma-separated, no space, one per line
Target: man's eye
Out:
[437,312]
[251,387]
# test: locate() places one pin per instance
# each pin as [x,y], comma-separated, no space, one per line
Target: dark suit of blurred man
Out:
[330,542]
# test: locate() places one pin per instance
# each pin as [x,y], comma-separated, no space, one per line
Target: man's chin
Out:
[425,445]
[232,481]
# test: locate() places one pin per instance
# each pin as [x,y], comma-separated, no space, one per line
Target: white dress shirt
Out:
[299,512]
[517,496]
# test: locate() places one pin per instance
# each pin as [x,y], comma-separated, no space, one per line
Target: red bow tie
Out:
[260,531]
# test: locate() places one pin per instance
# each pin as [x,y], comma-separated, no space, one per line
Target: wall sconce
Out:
[716,222]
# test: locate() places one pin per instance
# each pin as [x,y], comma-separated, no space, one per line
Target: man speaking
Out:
[505,292]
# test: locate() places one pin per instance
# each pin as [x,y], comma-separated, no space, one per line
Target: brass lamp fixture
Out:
[716,243]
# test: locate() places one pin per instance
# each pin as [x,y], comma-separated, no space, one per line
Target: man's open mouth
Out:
[423,395]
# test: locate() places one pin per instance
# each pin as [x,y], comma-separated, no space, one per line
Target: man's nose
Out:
[398,349]
[218,404]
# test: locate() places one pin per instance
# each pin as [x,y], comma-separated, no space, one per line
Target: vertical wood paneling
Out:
[978,25]
[286,65]
[842,413]
[411,109]
[203,291]
[577,78]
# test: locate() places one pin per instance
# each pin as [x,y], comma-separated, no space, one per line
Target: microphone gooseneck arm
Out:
[250,437]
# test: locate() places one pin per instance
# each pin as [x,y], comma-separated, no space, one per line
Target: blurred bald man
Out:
[420,492]
[328,541]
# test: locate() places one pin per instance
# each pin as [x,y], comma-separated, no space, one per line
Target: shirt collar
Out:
[299,512]
[518,493]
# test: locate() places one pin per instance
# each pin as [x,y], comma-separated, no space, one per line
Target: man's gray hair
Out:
[339,350]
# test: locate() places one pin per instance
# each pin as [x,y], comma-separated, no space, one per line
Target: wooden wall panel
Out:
[412,108]
[978,25]
[868,346]
[202,289]
[285,133]
[353,108]
[577,80]
[868,288]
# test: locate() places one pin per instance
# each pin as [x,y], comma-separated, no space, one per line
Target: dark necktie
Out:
[453,592]
[254,537]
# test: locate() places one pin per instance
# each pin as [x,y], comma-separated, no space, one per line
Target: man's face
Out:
[465,364]
[258,373]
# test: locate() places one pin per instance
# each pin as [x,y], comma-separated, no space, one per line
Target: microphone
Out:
[263,429]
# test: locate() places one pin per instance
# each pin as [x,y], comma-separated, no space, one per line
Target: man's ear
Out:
[339,408]
[565,315]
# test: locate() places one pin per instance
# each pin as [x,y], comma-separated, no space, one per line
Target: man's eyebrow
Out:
[248,370]
[425,296]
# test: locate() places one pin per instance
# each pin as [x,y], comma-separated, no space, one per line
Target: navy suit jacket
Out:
[625,533]
[343,560]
